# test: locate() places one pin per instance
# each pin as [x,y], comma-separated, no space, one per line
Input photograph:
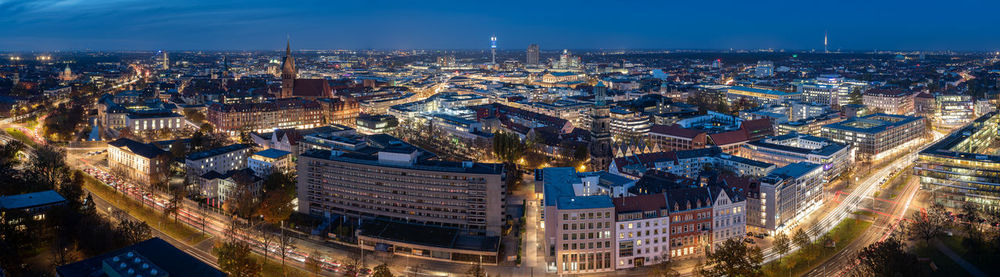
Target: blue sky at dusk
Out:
[251,25]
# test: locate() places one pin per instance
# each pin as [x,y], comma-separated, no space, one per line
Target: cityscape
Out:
[240,139]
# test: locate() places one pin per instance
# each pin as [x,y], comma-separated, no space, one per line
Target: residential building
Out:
[143,163]
[690,210]
[728,214]
[688,163]
[642,237]
[876,136]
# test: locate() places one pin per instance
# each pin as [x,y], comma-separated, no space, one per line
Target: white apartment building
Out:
[728,215]
[641,232]
[221,160]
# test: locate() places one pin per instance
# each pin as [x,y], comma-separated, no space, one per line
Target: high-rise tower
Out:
[600,131]
[166,61]
[288,73]
[493,47]
[826,48]
[532,54]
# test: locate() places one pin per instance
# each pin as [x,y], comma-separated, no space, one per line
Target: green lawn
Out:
[18,135]
[177,230]
[803,261]
[984,261]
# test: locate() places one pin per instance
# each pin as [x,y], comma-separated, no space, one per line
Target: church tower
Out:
[600,131]
[288,73]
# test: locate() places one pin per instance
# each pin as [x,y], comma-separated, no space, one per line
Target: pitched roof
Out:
[640,203]
[726,138]
[675,130]
[311,88]
[142,149]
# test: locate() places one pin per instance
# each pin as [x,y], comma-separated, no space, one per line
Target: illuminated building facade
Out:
[960,168]
[876,136]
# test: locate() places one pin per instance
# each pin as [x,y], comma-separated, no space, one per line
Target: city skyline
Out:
[132,25]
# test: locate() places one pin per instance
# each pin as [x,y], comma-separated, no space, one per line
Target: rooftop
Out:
[171,260]
[217,151]
[272,153]
[873,123]
[29,200]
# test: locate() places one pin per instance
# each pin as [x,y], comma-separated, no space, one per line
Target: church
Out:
[292,86]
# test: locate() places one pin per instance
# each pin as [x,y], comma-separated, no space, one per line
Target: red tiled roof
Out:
[727,138]
[311,88]
[644,203]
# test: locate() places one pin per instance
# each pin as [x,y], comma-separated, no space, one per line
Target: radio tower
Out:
[826,48]
[493,47]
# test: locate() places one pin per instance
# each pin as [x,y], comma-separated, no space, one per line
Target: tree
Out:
[178,150]
[175,202]
[242,202]
[312,263]
[855,97]
[666,267]
[476,270]
[276,207]
[234,259]
[507,147]
[206,128]
[382,270]
[972,218]
[928,225]
[133,231]
[195,116]
[887,258]
[734,258]
[804,242]
[266,234]
[284,245]
[781,244]
[49,164]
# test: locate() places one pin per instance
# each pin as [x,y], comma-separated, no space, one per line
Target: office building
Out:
[140,162]
[221,160]
[764,69]
[829,89]
[33,204]
[532,55]
[792,148]
[759,95]
[890,101]
[876,136]
[953,110]
[152,257]
[688,163]
[268,161]
[787,195]
[578,219]
[961,168]
[393,180]
[265,116]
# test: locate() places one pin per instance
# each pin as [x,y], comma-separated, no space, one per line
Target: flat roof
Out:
[29,200]
[428,235]
[272,153]
[558,182]
[217,151]
[764,91]
[873,123]
[167,257]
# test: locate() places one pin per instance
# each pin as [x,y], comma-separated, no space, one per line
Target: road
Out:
[885,223]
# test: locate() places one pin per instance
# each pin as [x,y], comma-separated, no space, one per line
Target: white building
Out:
[788,194]
[641,232]
[265,162]
[728,215]
[221,160]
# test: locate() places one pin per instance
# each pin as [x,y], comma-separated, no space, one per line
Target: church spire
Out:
[288,72]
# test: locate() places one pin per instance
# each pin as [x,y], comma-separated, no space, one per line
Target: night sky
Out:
[45,25]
